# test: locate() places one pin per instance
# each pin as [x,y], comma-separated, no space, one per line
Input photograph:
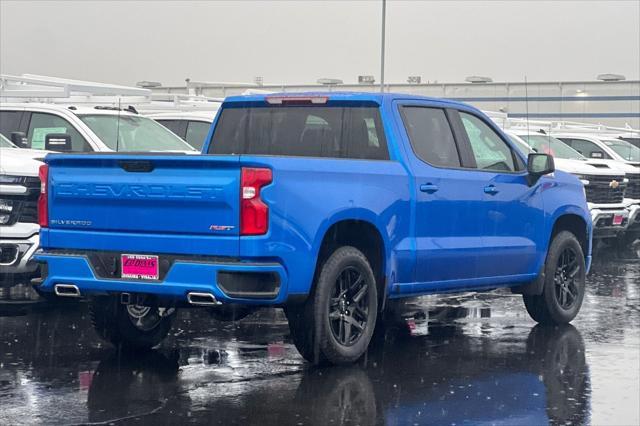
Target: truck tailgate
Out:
[178,196]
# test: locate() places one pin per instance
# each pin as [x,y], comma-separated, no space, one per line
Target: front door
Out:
[512,211]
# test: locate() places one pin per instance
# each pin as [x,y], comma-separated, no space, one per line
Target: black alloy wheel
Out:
[568,267]
[349,306]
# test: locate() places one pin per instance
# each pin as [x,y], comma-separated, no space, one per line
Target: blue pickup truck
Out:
[325,204]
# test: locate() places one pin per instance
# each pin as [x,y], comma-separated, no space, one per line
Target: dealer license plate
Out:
[139,266]
[617,219]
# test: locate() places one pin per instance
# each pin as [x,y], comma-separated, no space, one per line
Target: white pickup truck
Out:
[604,186]
[38,127]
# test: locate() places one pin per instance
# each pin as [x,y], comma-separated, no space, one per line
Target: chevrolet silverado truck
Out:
[19,191]
[325,204]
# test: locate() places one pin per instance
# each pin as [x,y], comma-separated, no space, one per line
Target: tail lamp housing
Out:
[43,199]
[254,213]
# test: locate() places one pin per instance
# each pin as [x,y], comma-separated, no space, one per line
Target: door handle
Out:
[491,190]
[429,188]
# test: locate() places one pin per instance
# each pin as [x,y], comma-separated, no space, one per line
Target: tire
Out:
[128,325]
[337,321]
[564,283]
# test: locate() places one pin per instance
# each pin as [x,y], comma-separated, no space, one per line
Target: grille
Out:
[633,187]
[24,206]
[599,190]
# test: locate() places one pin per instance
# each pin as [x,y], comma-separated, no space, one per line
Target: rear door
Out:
[448,222]
[511,213]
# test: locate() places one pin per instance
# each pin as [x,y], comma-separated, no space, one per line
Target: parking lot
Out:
[474,358]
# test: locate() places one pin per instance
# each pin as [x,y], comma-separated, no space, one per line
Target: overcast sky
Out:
[299,42]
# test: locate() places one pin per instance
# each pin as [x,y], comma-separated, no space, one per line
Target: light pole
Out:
[384,10]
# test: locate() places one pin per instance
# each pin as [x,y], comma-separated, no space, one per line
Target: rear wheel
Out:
[132,326]
[337,321]
[564,284]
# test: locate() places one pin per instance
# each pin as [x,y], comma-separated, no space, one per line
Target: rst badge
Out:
[221,227]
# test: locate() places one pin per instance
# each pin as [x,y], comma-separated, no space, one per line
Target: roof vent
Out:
[148,84]
[611,77]
[330,81]
[478,79]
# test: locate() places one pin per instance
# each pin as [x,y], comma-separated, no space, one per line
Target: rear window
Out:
[301,131]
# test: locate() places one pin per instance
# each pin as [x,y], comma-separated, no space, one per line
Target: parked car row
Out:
[607,165]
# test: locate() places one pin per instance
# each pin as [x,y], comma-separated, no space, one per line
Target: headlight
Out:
[10,179]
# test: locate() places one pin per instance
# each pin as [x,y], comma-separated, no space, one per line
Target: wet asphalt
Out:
[452,360]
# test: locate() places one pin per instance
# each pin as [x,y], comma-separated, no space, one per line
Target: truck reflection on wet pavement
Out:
[471,358]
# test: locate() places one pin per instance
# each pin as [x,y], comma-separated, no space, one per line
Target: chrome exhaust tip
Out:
[202,299]
[66,290]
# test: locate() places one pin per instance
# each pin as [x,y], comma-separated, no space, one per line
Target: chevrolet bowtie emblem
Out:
[614,184]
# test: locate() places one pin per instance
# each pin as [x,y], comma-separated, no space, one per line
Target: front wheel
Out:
[564,283]
[131,326]
[337,321]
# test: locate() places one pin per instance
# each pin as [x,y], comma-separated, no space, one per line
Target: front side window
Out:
[301,131]
[489,150]
[197,132]
[624,149]
[133,133]
[431,136]
[6,143]
[43,124]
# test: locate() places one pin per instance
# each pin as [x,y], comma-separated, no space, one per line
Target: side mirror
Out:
[60,142]
[596,154]
[539,165]
[19,139]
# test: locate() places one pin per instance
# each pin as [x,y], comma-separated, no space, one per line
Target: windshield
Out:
[624,149]
[549,145]
[523,147]
[5,143]
[133,133]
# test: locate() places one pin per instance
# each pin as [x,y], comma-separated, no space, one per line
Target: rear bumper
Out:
[183,277]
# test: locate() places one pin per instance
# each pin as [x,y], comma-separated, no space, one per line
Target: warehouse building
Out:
[610,100]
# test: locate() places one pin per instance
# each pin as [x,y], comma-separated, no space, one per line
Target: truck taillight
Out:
[43,200]
[254,213]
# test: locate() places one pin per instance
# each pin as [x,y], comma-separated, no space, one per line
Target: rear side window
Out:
[179,127]
[431,136]
[196,133]
[301,131]
[10,122]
